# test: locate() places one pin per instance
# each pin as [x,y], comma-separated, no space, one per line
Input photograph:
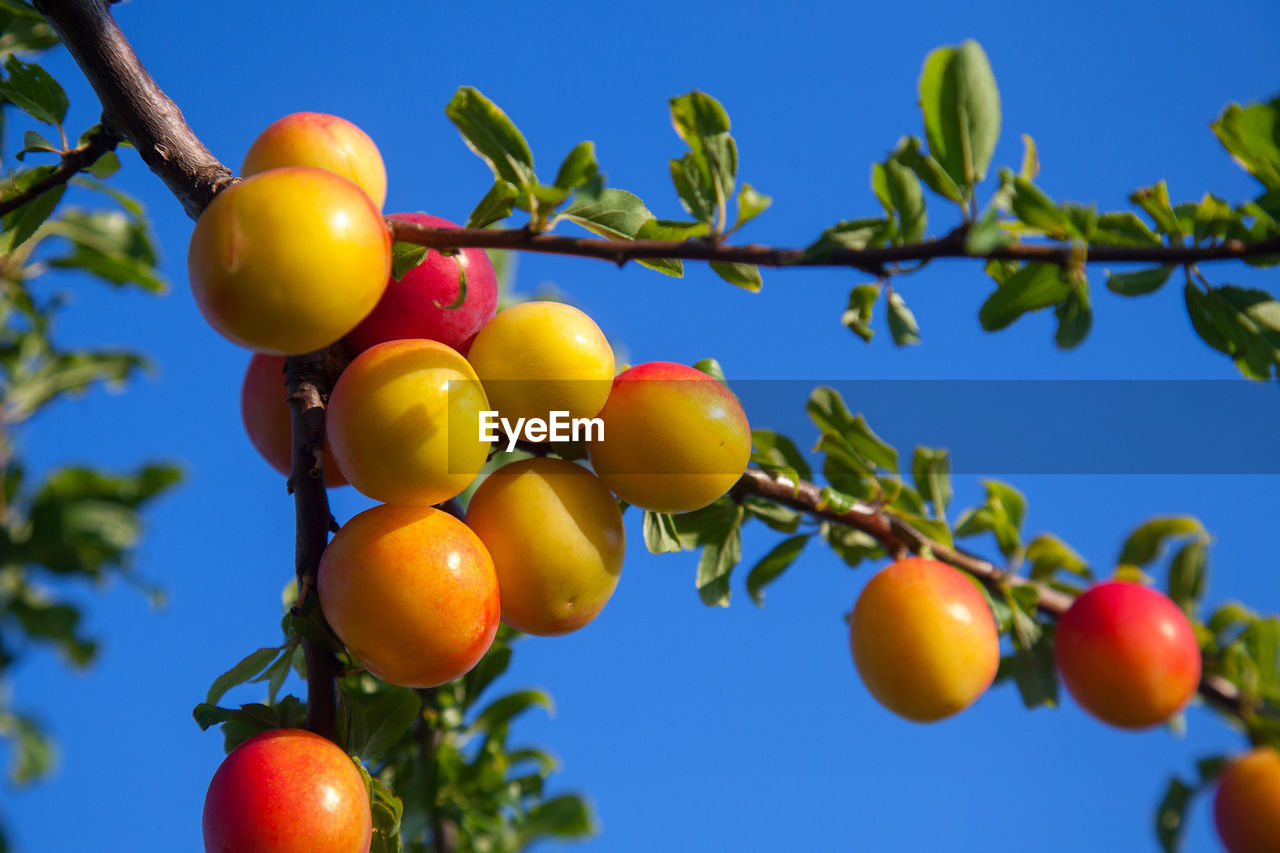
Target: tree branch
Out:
[102,140]
[134,105]
[871,261]
[898,538]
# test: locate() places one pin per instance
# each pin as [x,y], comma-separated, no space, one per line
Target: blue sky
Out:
[688,728]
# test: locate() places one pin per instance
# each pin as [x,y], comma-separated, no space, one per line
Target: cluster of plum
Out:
[297,257]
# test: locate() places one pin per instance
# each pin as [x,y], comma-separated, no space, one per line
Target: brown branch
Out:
[134,105]
[102,140]
[872,260]
[898,538]
[309,377]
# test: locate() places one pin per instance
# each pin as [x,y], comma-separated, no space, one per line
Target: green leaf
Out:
[496,205]
[1188,575]
[32,755]
[105,166]
[746,276]
[33,142]
[712,368]
[1123,229]
[774,450]
[248,667]
[493,664]
[20,224]
[579,166]
[492,136]
[927,169]
[931,472]
[502,710]
[1213,218]
[54,623]
[902,323]
[1033,287]
[780,518]
[900,193]
[1049,555]
[1171,815]
[1145,543]
[829,413]
[856,234]
[386,717]
[115,247]
[720,553]
[611,213]
[1242,322]
[1252,135]
[986,235]
[34,91]
[404,257]
[665,229]
[1034,672]
[857,317]
[1138,283]
[751,204]
[462,288]
[704,178]
[1075,317]
[660,534]
[961,106]
[1154,200]
[566,816]
[772,565]
[1036,210]
[696,197]
[851,545]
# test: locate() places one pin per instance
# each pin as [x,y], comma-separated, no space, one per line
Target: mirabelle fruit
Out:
[557,542]
[412,593]
[287,791]
[288,261]
[674,438]
[923,640]
[264,408]
[418,305]
[321,141]
[404,423]
[539,357]
[1246,808]
[1127,654]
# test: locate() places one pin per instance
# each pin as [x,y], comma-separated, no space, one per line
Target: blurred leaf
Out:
[1123,229]
[772,565]
[21,224]
[931,472]
[34,90]
[492,136]
[927,169]
[566,816]
[492,665]
[1033,287]
[720,553]
[961,106]
[1138,283]
[751,204]
[502,710]
[902,323]
[385,718]
[1252,135]
[496,205]
[1154,200]
[1241,322]
[1146,542]
[1049,555]
[857,317]
[854,234]
[249,666]
[1075,317]
[111,245]
[746,276]
[774,450]
[1188,576]
[900,193]
[404,257]
[33,142]
[1171,815]
[32,754]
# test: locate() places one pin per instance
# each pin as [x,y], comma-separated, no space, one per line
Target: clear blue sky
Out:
[689,728]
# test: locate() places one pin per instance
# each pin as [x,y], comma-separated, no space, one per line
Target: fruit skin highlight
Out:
[404,423]
[557,541]
[539,357]
[287,791]
[674,438]
[924,640]
[264,409]
[1127,654]
[288,261]
[1246,808]
[412,593]
[417,306]
[321,141]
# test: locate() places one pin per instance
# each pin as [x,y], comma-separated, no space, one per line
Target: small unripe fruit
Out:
[321,141]
[264,408]
[287,791]
[419,305]
[1246,808]
[404,423]
[1127,654]
[557,542]
[539,357]
[674,438]
[288,261]
[412,593]
[924,640]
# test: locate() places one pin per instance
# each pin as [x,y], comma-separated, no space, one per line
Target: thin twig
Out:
[102,140]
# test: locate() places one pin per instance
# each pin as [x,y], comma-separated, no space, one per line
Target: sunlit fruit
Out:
[287,791]
[412,593]
[403,423]
[321,141]
[289,260]
[557,542]
[1246,808]
[264,408]
[422,304]
[674,438]
[1127,654]
[538,357]
[923,639]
